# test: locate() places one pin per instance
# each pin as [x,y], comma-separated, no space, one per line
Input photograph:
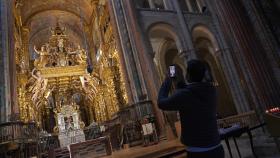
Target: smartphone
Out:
[172,71]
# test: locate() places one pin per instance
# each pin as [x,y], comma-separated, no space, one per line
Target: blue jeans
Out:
[216,153]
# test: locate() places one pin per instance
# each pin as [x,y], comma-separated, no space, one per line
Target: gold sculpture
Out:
[60,70]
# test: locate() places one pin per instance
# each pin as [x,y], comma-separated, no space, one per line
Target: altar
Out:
[59,80]
[69,126]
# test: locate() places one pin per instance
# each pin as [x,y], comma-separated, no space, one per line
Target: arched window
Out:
[194,6]
[183,5]
[158,4]
[142,3]
[154,4]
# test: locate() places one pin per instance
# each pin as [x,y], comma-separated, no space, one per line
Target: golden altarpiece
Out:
[58,83]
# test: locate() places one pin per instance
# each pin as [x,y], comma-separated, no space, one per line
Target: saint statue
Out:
[69,123]
[61,54]
[48,49]
[60,44]
[81,55]
[78,56]
[22,65]
[43,57]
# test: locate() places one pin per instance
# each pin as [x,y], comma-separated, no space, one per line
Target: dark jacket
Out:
[196,104]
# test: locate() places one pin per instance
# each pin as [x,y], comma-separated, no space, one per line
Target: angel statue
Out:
[71,57]
[39,86]
[48,48]
[43,59]
[81,55]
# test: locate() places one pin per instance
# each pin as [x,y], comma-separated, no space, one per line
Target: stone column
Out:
[187,40]
[189,5]
[129,53]
[8,104]
[12,61]
[167,5]
[121,54]
[240,101]
[148,72]
[261,80]
[225,55]
[257,12]
[151,3]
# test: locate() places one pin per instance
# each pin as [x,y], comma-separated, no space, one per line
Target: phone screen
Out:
[172,71]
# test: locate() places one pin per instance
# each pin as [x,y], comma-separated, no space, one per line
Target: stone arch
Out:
[165,43]
[202,31]
[206,47]
[168,29]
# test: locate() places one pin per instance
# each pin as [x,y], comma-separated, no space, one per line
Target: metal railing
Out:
[137,111]
[19,139]
[18,132]
[246,119]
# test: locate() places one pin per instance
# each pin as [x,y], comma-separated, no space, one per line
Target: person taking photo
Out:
[197,106]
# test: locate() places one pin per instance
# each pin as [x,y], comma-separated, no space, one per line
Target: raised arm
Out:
[32,73]
[172,102]
[36,51]
[70,53]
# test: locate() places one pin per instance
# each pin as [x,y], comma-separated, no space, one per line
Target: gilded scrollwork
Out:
[60,70]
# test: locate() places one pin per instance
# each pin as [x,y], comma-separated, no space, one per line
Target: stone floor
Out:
[152,151]
[264,146]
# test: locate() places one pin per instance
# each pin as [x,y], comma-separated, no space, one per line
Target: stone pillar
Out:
[189,5]
[129,53]
[151,3]
[8,95]
[121,54]
[187,40]
[238,95]
[167,5]
[257,12]
[12,62]
[148,72]
[224,55]
[260,79]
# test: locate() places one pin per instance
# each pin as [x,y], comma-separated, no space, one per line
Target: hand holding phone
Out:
[172,71]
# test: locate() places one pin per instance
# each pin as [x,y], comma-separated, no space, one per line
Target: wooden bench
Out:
[92,148]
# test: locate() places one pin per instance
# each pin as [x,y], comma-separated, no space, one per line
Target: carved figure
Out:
[43,57]
[81,55]
[39,86]
[60,44]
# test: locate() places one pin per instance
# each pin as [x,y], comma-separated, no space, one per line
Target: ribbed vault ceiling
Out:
[40,15]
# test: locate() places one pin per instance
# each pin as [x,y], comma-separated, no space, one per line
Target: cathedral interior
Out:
[80,78]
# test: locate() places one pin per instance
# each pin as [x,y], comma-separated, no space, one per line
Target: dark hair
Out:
[195,70]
